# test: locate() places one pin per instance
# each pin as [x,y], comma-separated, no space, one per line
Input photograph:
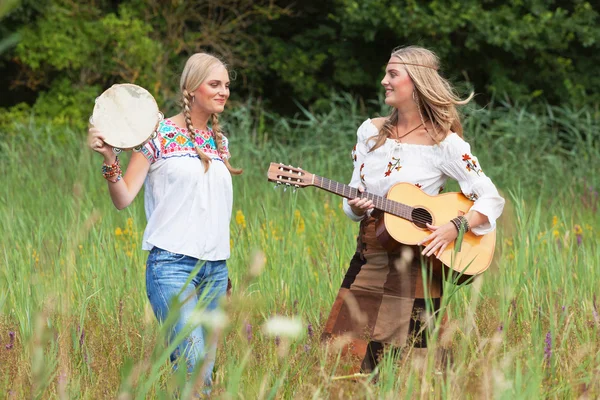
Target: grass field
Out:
[75,321]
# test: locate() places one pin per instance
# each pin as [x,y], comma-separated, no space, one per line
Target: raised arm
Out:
[122,190]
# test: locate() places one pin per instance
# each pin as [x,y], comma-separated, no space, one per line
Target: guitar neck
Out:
[380,202]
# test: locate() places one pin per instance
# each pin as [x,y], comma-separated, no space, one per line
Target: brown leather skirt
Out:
[387,299]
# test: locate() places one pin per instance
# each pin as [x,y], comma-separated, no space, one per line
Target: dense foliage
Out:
[57,55]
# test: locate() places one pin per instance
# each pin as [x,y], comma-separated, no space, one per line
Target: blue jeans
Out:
[166,275]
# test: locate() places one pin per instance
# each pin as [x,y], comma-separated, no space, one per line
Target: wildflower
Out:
[213,319]
[248,332]
[310,330]
[554,220]
[555,234]
[118,231]
[240,219]
[298,217]
[578,234]
[82,336]
[277,341]
[548,347]
[595,312]
[258,263]
[283,326]
[11,342]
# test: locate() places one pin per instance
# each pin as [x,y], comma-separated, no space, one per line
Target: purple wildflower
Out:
[595,311]
[500,327]
[11,340]
[310,330]
[248,332]
[277,340]
[548,347]
[579,240]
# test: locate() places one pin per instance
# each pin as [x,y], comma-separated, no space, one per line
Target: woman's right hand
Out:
[360,205]
[96,143]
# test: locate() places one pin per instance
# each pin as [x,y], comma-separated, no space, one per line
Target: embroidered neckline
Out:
[169,122]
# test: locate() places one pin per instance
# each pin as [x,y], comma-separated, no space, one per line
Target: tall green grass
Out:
[72,273]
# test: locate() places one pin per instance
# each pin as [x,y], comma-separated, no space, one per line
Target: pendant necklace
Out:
[397,138]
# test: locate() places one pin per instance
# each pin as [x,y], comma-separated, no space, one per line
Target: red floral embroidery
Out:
[395,165]
[419,185]
[362,176]
[354,153]
[441,189]
[471,164]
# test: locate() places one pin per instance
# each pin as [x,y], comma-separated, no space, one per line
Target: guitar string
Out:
[417,215]
[419,218]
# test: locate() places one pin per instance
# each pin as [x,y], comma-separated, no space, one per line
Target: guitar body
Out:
[475,253]
[406,209]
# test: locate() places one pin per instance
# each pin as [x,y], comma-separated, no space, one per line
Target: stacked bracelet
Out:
[112,173]
[461,222]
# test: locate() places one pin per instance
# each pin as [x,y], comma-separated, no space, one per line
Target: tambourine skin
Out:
[127,115]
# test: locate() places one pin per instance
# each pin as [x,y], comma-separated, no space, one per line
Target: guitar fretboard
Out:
[381,203]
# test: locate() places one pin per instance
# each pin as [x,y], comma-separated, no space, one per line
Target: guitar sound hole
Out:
[420,217]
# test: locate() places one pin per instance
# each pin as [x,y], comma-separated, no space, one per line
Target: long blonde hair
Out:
[435,97]
[194,73]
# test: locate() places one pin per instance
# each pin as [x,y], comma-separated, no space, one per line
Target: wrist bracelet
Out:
[112,173]
[461,222]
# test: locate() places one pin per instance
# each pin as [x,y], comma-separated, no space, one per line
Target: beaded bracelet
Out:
[112,173]
[461,222]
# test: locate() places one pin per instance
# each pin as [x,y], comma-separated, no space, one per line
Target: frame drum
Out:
[127,115]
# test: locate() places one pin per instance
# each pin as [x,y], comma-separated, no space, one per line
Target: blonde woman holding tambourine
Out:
[188,202]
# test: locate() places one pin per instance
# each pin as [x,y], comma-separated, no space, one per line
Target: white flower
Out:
[215,319]
[283,327]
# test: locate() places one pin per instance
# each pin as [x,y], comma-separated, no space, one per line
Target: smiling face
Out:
[397,84]
[212,94]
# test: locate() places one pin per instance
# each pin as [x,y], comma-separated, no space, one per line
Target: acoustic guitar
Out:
[405,221]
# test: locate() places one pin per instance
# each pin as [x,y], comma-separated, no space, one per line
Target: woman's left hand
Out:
[439,239]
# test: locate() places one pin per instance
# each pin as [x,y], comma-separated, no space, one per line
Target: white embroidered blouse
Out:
[427,167]
[188,211]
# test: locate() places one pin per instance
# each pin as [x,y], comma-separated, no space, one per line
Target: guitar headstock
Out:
[289,176]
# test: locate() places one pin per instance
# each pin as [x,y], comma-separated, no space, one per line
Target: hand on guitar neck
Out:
[361,205]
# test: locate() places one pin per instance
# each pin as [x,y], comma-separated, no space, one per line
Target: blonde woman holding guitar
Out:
[383,300]
[188,200]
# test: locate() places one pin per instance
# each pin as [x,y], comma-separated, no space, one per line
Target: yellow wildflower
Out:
[541,235]
[118,232]
[240,219]
[300,220]
[555,233]
[554,220]
[577,230]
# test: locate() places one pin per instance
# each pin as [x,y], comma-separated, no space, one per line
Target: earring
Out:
[414,97]
[193,99]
